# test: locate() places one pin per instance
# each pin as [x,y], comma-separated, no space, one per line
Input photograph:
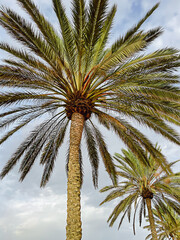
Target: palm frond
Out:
[67,35]
[99,48]
[41,132]
[93,154]
[44,26]
[23,31]
[131,137]
[120,208]
[96,15]
[133,30]
[50,151]
[22,123]
[107,159]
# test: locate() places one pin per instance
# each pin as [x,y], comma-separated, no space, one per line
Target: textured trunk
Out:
[151,219]
[73,228]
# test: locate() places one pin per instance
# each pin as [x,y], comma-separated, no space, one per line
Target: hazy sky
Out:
[28,212]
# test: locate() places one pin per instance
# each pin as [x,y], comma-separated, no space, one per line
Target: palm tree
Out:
[71,77]
[142,186]
[167,224]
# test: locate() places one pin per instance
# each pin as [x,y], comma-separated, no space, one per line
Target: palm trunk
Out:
[151,219]
[73,228]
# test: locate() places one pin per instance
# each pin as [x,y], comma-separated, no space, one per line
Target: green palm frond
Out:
[142,212]
[11,97]
[27,61]
[99,48]
[67,35]
[79,21]
[123,54]
[79,13]
[45,27]
[121,208]
[114,194]
[23,31]
[96,15]
[133,30]
[21,123]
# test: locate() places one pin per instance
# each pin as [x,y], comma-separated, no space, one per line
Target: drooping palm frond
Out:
[32,146]
[50,151]
[133,138]
[93,152]
[106,157]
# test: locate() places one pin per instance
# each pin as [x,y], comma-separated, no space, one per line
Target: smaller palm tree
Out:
[142,186]
[167,224]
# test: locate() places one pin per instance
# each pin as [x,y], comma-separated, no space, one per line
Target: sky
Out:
[28,212]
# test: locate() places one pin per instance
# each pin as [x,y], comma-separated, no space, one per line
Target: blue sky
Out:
[28,212]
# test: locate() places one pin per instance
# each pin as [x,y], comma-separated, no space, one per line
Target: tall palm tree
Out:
[142,186]
[71,77]
[167,224]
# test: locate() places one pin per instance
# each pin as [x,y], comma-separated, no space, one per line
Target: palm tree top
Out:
[138,183]
[75,72]
[146,179]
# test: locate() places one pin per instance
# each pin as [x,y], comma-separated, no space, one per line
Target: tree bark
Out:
[73,228]
[151,219]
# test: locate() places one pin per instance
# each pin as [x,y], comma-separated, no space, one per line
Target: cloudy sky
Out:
[28,212]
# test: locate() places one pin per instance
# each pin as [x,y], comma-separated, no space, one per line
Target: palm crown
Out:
[73,76]
[74,72]
[139,185]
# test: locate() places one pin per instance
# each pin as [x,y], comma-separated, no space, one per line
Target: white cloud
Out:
[24,213]
[27,215]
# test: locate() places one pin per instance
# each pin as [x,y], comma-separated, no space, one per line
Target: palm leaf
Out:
[50,151]
[93,154]
[67,35]
[133,30]
[108,161]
